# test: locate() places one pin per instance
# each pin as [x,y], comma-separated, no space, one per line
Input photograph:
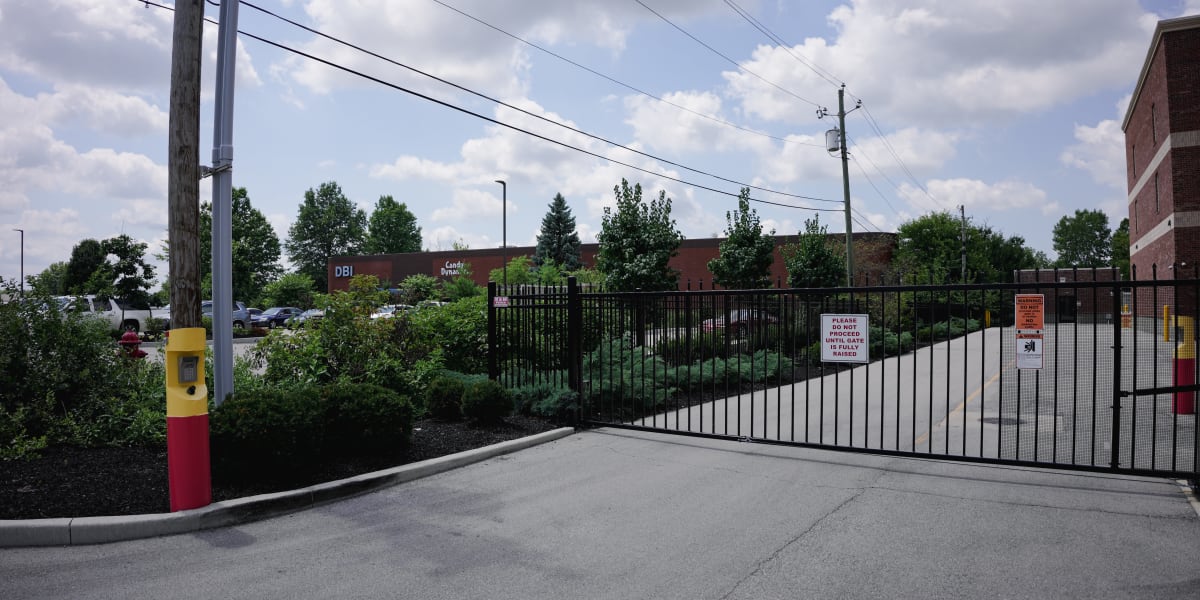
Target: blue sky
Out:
[1011,109]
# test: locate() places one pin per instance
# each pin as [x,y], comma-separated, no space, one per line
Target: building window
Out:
[1156,196]
[1153,124]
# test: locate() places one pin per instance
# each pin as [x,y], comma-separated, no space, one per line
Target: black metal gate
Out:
[947,372]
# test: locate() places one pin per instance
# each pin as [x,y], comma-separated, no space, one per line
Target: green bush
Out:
[267,433]
[625,378]
[546,400]
[364,419]
[443,399]
[690,349]
[486,402]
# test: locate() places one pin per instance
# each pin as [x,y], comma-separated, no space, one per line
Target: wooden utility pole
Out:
[183,165]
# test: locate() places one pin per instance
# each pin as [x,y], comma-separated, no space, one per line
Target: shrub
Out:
[546,399]
[624,378]
[361,419]
[443,399]
[486,402]
[267,433]
[690,349]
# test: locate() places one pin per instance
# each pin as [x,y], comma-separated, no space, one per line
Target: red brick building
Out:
[1162,150]
[872,258]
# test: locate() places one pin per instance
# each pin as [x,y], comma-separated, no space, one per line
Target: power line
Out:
[521,110]
[621,83]
[822,73]
[888,145]
[729,60]
[454,107]
[870,181]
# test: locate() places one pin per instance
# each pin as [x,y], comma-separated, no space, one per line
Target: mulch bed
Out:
[86,482]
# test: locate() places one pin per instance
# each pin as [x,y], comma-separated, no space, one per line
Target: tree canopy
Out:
[747,252]
[558,241]
[637,242]
[127,277]
[1120,248]
[1083,240]
[810,261]
[328,224]
[86,257]
[392,228]
[255,252]
[930,249]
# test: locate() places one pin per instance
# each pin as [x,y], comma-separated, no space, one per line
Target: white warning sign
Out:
[844,338]
[1029,351]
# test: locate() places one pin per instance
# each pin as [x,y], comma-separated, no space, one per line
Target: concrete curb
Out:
[100,530]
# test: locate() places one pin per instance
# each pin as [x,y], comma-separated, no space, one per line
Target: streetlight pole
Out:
[22,260]
[504,227]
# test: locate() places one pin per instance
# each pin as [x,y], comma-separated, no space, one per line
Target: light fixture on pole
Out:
[22,260]
[504,227]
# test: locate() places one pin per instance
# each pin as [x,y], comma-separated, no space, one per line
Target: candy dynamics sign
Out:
[845,338]
[452,268]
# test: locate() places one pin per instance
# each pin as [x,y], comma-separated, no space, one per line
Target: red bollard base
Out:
[188,470]
[1185,374]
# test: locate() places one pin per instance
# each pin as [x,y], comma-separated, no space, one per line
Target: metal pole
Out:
[846,184]
[222,227]
[504,228]
[22,260]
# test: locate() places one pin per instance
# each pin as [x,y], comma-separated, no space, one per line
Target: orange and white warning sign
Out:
[1031,312]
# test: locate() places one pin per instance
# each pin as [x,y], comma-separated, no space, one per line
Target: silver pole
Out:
[504,228]
[222,210]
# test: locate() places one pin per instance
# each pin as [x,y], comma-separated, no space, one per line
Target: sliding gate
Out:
[1105,381]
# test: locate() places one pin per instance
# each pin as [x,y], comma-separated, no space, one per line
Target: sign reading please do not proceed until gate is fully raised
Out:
[844,338]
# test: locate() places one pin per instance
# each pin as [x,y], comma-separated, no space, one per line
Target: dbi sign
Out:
[343,271]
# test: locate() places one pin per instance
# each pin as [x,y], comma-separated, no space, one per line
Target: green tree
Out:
[292,289]
[461,285]
[86,257]
[327,225]
[992,258]
[558,240]
[255,251]
[637,242]
[392,229]
[419,287]
[747,252]
[1120,248]
[811,262]
[519,270]
[130,277]
[1083,239]
[930,248]
[52,281]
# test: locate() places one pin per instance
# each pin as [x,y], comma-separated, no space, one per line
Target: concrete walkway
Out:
[619,514]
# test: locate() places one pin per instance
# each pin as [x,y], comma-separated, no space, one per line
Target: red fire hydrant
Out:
[130,345]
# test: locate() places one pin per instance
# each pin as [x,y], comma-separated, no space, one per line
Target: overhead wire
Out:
[497,122]
[727,59]
[627,86]
[443,81]
[814,67]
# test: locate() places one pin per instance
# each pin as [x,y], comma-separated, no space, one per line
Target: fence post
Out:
[574,341]
[1115,459]
[493,350]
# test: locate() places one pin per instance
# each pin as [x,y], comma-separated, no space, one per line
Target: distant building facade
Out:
[1162,150]
[872,258]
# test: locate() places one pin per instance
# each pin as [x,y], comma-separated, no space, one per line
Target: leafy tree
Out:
[52,281]
[292,289]
[992,258]
[550,273]
[1120,248]
[930,248]
[1083,239]
[419,287]
[637,242]
[130,277]
[392,229]
[558,240]
[86,257]
[811,262]
[519,270]
[327,225]
[747,252]
[255,251]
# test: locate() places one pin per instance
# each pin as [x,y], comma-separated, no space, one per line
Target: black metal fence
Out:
[1106,383]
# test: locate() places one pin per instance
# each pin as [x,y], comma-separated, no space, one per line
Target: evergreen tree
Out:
[810,262]
[637,242]
[392,229]
[558,241]
[747,252]
[327,225]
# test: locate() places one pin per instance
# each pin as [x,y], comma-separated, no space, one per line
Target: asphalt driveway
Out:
[617,514]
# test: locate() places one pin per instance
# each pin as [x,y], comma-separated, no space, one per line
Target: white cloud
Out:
[1101,150]
[472,204]
[662,127]
[972,193]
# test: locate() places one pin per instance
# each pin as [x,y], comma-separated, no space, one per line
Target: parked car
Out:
[388,311]
[240,317]
[276,316]
[738,322]
[309,316]
[119,315]
[254,312]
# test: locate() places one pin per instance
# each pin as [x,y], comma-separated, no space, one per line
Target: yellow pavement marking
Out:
[961,406]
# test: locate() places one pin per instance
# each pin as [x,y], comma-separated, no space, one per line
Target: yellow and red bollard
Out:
[1185,366]
[188,468]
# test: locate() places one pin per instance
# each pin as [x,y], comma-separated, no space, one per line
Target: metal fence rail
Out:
[1114,391]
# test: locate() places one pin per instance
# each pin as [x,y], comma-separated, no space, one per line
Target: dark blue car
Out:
[276,316]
